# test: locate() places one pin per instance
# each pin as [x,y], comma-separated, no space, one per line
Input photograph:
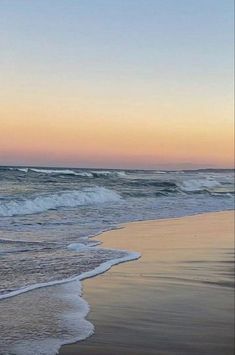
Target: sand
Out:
[176,299]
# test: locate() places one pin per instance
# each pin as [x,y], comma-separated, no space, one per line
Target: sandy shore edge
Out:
[209,231]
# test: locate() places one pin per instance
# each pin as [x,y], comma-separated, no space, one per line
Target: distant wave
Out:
[92,173]
[160,172]
[64,199]
[61,172]
[108,173]
[198,185]
[53,171]
[23,170]
[169,187]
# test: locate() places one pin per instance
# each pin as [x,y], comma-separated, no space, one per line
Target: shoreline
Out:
[200,234]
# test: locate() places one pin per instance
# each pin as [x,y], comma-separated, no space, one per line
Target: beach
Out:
[176,299]
[59,227]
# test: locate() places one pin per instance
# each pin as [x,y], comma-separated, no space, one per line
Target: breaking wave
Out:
[90,174]
[64,199]
[23,170]
[61,172]
[199,185]
[180,186]
[108,173]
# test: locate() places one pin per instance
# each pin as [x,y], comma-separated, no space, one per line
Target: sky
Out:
[116,83]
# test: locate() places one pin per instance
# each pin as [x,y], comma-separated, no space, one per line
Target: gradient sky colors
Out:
[116,83]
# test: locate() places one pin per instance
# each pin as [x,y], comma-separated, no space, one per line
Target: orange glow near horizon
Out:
[109,135]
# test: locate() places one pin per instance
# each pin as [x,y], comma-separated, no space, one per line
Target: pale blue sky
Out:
[133,38]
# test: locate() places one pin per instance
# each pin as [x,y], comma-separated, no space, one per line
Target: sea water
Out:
[47,219]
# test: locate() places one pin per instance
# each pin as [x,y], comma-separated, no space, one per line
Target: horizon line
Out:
[107,168]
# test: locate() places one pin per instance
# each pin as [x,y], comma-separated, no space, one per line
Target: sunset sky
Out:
[116,83]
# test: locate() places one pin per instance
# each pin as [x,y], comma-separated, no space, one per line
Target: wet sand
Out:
[176,299]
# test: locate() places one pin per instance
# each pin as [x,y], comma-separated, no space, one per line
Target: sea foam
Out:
[74,325]
[108,173]
[88,173]
[61,172]
[198,185]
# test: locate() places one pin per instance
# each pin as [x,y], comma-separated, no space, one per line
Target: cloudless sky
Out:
[116,83]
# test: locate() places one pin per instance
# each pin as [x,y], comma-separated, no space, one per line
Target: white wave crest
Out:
[84,174]
[23,170]
[64,199]
[61,171]
[90,174]
[198,185]
[160,172]
[52,171]
[108,173]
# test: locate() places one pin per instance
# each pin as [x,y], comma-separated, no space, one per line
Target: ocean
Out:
[48,217]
